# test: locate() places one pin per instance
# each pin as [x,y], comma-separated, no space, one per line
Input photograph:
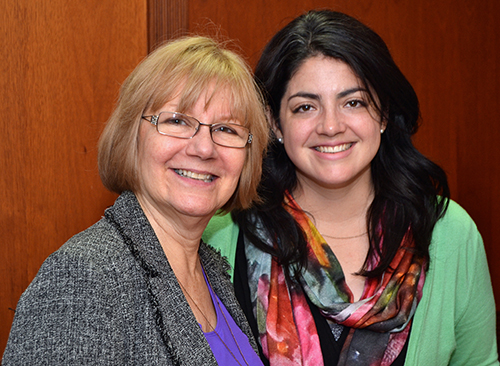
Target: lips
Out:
[333,149]
[207,178]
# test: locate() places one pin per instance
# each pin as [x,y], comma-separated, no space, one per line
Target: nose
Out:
[330,123]
[201,144]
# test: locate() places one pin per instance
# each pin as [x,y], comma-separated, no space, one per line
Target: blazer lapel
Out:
[176,322]
[184,336]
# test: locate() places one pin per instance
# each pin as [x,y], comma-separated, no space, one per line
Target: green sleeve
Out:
[455,321]
[222,234]
[475,324]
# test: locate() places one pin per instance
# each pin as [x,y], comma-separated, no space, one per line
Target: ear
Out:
[383,125]
[274,125]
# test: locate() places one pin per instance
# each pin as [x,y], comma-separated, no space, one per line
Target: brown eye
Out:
[303,108]
[355,103]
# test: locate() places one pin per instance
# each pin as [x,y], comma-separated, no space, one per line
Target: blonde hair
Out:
[193,63]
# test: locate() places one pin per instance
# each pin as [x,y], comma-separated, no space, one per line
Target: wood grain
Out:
[166,20]
[62,65]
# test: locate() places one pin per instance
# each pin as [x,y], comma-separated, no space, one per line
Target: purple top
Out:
[220,351]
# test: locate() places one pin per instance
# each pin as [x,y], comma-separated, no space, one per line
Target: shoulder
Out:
[457,258]
[456,216]
[100,246]
[456,248]
[94,263]
[81,303]
[455,229]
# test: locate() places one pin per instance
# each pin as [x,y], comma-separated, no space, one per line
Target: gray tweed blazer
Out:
[109,297]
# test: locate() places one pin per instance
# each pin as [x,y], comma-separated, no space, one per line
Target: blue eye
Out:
[175,121]
[225,129]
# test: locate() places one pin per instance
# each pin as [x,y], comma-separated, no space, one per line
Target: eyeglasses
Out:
[186,127]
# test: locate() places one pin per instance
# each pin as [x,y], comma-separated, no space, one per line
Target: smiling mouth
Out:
[333,149]
[207,178]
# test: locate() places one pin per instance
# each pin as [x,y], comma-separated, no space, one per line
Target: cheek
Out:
[368,130]
[239,161]
[294,139]
[148,154]
[146,145]
[298,130]
[377,136]
[374,143]
[234,164]
[153,158]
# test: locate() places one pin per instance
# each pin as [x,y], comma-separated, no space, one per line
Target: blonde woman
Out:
[139,287]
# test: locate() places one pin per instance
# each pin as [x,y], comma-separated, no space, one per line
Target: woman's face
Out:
[193,177]
[330,130]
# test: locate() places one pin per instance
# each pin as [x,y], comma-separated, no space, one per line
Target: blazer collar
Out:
[179,328]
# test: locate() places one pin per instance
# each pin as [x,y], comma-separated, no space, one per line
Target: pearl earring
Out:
[280,140]
[382,130]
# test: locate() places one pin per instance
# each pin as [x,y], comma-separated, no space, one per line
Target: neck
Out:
[179,236]
[338,212]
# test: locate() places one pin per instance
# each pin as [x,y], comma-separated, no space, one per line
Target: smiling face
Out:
[330,130]
[192,177]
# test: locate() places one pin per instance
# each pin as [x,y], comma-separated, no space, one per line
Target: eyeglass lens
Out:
[183,126]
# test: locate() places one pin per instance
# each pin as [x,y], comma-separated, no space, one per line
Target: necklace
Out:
[210,324]
[345,237]
[231,331]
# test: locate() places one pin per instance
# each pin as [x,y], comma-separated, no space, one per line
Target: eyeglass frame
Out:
[155,118]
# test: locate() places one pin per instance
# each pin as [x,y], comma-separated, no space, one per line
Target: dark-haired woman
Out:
[356,255]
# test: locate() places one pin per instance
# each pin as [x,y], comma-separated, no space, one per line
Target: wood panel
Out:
[449,51]
[62,65]
[167,19]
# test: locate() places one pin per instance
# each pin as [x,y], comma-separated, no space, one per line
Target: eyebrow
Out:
[340,95]
[304,95]
[347,92]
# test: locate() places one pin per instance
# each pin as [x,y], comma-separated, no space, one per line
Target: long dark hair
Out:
[411,192]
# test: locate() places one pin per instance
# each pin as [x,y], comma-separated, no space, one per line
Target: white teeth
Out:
[186,173]
[333,149]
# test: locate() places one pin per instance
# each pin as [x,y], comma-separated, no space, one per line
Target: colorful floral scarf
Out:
[379,321]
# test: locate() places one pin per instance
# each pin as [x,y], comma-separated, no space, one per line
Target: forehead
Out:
[220,99]
[321,73]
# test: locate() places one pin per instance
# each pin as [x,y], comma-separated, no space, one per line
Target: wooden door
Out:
[62,65]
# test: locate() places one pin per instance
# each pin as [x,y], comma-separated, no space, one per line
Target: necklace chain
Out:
[210,324]
[345,237]
[196,305]
[232,335]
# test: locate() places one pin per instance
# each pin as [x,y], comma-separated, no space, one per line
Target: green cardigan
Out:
[455,320]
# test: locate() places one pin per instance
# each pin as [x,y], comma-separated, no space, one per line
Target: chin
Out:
[198,211]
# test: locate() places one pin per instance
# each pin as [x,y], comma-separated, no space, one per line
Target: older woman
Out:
[138,287]
[356,255]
